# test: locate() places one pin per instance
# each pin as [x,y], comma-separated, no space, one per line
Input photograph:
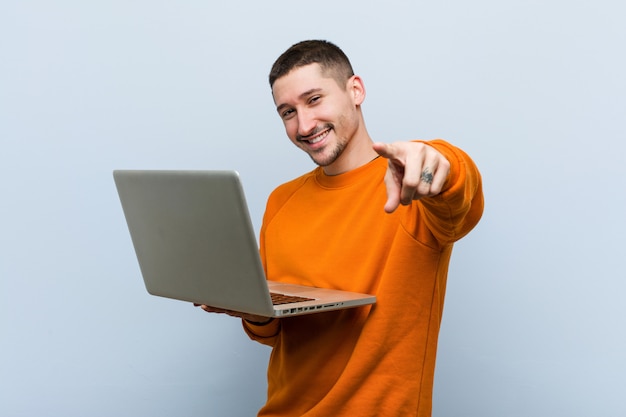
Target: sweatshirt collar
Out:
[355,176]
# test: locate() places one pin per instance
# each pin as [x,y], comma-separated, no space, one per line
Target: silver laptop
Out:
[194,241]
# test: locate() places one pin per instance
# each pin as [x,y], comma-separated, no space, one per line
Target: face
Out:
[320,116]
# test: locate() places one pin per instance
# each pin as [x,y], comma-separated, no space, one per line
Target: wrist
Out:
[261,323]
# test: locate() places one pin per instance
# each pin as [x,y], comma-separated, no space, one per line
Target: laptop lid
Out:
[194,241]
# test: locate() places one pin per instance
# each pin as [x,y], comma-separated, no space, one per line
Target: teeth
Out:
[319,138]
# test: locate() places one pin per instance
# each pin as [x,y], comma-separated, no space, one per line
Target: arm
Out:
[259,328]
[264,333]
[248,317]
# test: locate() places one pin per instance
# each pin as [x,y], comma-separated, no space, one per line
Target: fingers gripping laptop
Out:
[194,242]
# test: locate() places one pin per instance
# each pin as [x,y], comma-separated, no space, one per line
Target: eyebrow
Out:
[301,96]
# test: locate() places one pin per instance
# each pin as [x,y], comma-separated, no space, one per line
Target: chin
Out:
[325,159]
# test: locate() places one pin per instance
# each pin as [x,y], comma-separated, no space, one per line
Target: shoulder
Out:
[284,192]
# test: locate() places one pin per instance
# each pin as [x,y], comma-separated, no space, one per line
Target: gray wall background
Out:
[533,90]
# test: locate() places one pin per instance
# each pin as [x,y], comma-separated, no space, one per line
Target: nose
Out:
[306,123]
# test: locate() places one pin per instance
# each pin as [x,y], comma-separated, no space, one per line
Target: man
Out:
[373,218]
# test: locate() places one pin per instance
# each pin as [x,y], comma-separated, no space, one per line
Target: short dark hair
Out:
[330,57]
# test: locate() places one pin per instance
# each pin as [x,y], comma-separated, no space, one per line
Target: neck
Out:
[357,153]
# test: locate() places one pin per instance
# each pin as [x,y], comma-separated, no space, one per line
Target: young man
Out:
[373,218]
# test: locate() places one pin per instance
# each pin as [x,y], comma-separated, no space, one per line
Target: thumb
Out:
[393,176]
[393,191]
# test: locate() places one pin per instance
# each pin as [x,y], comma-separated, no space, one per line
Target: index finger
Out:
[387,151]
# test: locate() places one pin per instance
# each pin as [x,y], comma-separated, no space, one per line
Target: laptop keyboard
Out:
[278,299]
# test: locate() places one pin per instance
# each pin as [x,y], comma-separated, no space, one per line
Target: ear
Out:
[357,89]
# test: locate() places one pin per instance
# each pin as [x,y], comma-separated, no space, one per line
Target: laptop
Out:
[194,241]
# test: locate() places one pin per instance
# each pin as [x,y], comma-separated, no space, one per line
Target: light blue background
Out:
[534,90]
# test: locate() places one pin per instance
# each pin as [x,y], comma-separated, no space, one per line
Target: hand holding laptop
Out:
[248,317]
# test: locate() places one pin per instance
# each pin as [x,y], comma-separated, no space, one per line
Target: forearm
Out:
[458,208]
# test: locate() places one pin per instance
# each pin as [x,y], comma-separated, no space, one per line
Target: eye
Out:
[314,99]
[287,114]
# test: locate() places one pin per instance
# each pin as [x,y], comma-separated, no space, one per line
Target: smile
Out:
[316,139]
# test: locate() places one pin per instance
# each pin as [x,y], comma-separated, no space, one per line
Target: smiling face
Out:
[321,117]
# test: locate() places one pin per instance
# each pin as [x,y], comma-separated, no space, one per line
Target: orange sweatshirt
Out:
[332,231]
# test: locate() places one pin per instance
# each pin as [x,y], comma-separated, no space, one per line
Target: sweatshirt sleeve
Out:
[265,334]
[457,209]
